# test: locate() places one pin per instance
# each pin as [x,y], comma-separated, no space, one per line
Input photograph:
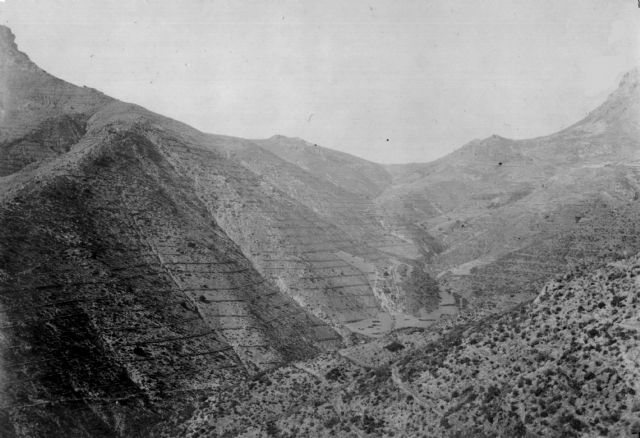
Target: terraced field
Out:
[299,248]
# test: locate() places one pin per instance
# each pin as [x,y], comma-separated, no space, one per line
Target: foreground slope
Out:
[566,364]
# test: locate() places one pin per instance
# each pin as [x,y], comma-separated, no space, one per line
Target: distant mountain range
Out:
[145,265]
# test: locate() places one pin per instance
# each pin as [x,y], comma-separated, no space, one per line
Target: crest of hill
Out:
[352,173]
[609,132]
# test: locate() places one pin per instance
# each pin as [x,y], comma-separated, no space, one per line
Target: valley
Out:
[156,280]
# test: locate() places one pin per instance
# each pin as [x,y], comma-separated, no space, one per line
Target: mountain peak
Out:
[618,113]
[7,37]
[9,53]
[631,78]
[7,41]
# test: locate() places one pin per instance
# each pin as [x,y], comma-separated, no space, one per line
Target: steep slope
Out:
[121,296]
[178,261]
[111,241]
[298,231]
[353,208]
[335,185]
[497,200]
[564,365]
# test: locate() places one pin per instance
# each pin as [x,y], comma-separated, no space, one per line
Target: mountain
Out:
[41,116]
[143,263]
[118,286]
[511,213]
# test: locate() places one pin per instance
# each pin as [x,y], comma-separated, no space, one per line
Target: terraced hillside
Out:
[111,241]
[564,365]
[298,230]
[143,263]
[353,208]
[120,294]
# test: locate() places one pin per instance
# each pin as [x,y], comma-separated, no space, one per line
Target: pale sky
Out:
[427,75]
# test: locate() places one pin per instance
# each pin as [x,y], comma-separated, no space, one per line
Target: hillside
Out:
[121,296]
[143,262]
[564,365]
[503,209]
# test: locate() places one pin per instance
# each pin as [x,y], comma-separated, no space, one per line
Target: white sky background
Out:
[428,75]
